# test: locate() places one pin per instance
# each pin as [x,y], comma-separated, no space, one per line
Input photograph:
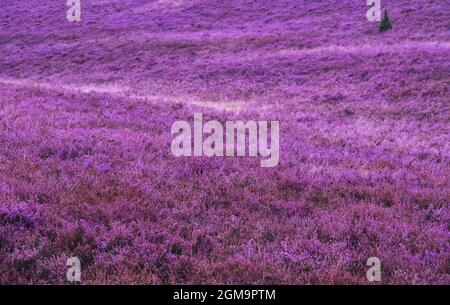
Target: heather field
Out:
[86,168]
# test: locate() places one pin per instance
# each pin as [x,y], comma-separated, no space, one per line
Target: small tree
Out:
[385,23]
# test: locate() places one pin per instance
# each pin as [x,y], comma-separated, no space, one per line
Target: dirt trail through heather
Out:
[426,46]
[375,48]
[120,90]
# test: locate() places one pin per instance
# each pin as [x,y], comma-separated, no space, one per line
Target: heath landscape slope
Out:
[86,169]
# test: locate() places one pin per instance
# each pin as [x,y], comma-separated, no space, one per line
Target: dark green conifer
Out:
[385,23]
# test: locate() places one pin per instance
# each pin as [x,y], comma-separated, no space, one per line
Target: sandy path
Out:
[120,90]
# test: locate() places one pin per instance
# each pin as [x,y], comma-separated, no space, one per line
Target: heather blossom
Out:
[86,163]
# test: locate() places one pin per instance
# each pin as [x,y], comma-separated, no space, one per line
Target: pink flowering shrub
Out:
[86,169]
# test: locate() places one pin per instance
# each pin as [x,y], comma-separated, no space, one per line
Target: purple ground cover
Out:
[86,170]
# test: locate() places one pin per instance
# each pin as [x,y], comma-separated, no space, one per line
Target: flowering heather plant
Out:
[86,168]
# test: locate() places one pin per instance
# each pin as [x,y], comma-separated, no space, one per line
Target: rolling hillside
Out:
[86,169]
